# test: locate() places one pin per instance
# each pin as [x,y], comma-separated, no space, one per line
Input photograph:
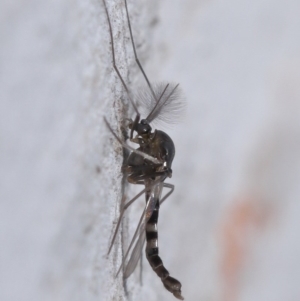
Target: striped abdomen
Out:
[170,283]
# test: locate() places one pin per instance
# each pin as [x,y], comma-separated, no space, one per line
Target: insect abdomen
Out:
[170,283]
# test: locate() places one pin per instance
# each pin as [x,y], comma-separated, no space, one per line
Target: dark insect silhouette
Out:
[149,165]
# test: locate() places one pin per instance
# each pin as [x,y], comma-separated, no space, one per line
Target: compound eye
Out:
[144,127]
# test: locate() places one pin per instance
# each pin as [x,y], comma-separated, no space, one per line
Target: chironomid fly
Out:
[149,164]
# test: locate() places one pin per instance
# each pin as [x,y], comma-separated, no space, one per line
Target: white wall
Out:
[229,232]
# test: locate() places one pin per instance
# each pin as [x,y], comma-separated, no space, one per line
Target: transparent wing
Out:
[140,229]
[136,254]
[155,195]
[168,107]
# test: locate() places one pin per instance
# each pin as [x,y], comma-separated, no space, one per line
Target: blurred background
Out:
[229,231]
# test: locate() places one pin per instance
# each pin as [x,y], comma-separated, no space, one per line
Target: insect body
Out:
[149,165]
[159,145]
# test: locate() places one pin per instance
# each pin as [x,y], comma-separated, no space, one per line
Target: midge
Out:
[148,165]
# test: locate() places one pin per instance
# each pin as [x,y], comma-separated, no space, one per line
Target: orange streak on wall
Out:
[241,224]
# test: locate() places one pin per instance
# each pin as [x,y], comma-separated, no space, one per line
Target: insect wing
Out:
[136,254]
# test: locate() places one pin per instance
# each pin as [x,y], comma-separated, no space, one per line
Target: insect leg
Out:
[121,215]
[133,178]
[132,241]
[135,55]
[141,265]
[146,156]
[139,229]
[170,186]
[114,60]
[165,185]
[135,254]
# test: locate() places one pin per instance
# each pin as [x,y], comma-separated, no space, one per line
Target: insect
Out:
[148,165]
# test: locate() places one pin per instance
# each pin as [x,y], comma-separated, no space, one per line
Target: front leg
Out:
[142,154]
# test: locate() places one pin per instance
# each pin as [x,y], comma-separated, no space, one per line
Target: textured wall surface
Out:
[230,230]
